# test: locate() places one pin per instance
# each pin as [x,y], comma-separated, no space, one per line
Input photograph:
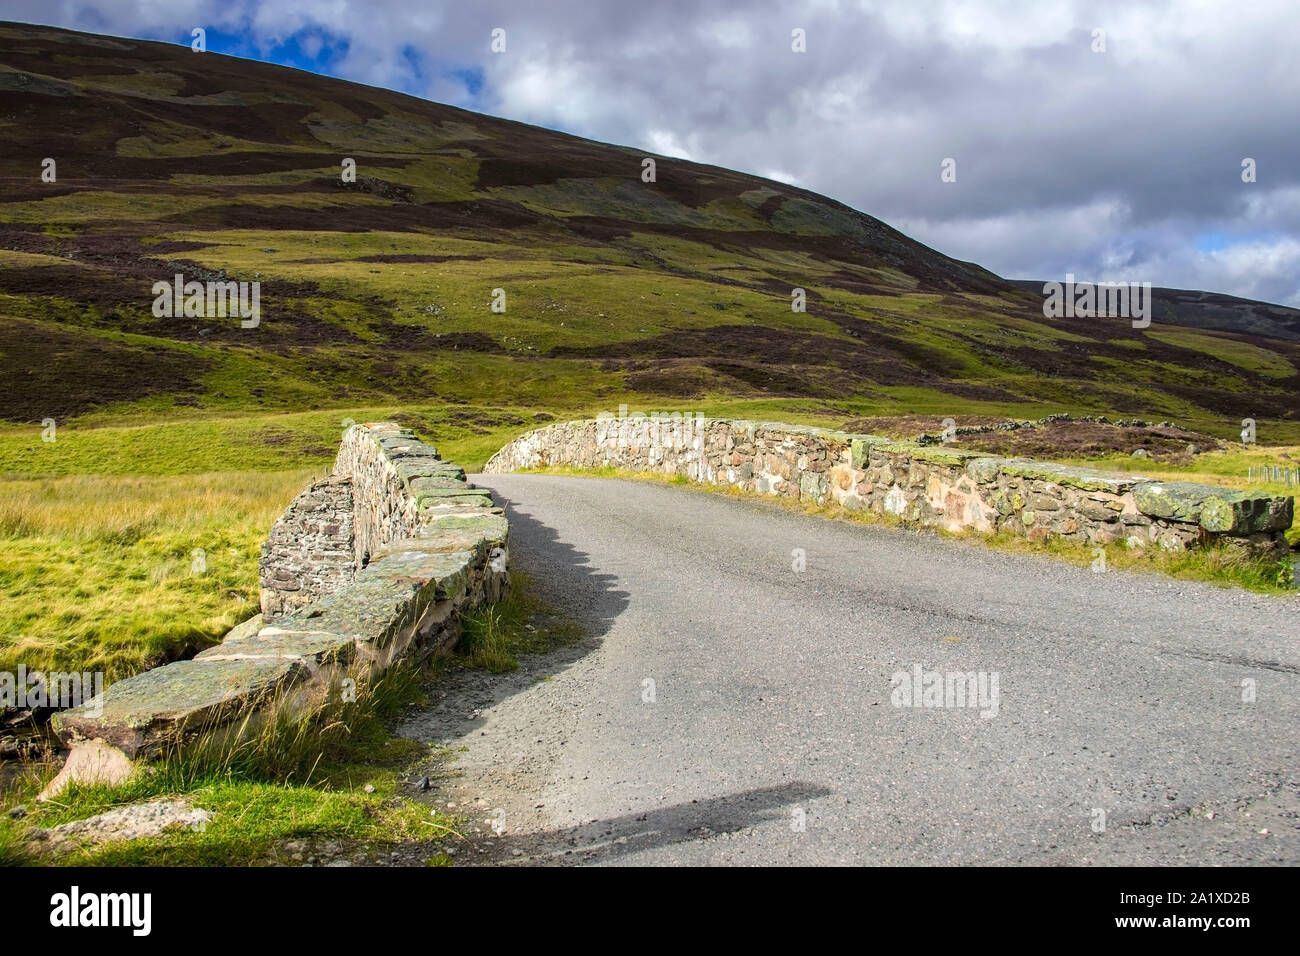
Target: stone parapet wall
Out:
[370,565]
[936,485]
[309,551]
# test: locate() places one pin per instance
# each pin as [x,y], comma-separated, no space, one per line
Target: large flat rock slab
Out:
[141,714]
[1215,509]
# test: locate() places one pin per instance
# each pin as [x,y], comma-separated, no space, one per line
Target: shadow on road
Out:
[569,582]
[605,840]
[562,577]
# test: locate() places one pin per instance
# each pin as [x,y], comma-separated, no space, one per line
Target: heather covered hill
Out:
[379,292]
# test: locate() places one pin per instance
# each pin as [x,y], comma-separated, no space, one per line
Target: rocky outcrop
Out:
[934,485]
[371,564]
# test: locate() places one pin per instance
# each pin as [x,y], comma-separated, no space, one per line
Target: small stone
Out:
[18,812]
[1139,453]
[423,784]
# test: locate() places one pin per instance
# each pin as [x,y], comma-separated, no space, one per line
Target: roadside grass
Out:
[293,776]
[117,574]
[1220,565]
[495,635]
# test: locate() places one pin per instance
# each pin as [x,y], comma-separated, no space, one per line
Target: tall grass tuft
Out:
[492,636]
[287,742]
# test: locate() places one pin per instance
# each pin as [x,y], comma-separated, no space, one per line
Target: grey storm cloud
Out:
[1122,164]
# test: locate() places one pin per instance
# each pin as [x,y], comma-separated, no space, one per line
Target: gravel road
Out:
[726,708]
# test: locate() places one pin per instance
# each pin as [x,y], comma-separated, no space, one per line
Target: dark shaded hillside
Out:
[380,290]
[1213,310]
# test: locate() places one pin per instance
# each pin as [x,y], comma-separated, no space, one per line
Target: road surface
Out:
[727,708]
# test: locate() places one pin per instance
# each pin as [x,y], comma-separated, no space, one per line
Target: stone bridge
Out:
[932,485]
[371,564]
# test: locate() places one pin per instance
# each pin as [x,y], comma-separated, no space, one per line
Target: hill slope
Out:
[379,292]
[1213,310]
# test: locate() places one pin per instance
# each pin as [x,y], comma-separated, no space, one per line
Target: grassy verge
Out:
[329,777]
[1221,565]
[520,623]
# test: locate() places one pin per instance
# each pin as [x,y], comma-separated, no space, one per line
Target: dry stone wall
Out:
[309,551]
[937,486]
[372,564]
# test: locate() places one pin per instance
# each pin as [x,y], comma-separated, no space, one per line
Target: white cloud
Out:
[1068,159]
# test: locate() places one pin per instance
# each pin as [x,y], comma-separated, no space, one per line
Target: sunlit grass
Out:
[324,773]
[120,573]
[496,634]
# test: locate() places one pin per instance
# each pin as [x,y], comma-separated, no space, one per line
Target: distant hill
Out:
[666,293]
[1212,310]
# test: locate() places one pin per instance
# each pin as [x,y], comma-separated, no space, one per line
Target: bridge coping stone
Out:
[410,574]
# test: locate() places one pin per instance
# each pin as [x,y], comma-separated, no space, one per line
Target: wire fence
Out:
[1287,476]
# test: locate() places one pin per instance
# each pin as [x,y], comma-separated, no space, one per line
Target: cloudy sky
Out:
[1115,164]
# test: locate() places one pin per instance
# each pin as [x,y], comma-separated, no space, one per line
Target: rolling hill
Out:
[1213,310]
[379,292]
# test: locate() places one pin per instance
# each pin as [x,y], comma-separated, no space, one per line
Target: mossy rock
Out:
[1236,513]
[860,448]
[1069,475]
[944,455]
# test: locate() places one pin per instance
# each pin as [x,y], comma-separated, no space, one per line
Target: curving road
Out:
[771,732]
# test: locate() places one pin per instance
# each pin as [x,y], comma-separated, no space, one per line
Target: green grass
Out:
[117,574]
[494,636]
[295,777]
